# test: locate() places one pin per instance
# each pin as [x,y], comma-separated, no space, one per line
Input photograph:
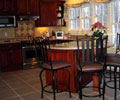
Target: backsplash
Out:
[21,32]
[24,29]
[6,33]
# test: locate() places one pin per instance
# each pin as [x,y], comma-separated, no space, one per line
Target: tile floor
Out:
[25,85]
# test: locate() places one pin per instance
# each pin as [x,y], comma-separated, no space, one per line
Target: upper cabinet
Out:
[48,15]
[51,14]
[7,7]
[60,14]
[28,7]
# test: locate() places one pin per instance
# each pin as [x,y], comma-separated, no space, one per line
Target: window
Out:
[115,8]
[74,18]
[86,17]
[89,13]
[101,13]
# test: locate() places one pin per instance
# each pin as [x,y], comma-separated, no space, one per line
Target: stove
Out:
[30,54]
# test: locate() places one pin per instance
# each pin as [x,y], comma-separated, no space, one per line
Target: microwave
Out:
[59,35]
[7,21]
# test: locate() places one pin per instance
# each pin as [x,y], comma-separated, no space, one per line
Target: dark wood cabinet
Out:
[28,7]
[48,15]
[7,7]
[10,57]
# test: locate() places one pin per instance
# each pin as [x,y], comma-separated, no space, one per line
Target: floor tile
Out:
[34,96]
[25,90]
[7,94]
[25,85]
[63,96]
[15,98]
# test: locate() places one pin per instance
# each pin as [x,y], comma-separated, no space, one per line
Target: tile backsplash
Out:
[21,32]
[6,33]
[24,29]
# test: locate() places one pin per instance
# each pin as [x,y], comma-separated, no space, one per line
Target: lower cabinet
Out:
[10,57]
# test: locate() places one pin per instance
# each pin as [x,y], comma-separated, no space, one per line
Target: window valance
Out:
[77,3]
[100,1]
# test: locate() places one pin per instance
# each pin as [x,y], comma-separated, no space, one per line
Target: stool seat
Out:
[55,64]
[113,60]
[90,67]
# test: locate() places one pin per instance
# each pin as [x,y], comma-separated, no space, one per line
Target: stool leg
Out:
[110,73]
[119,78]
[68,82]
[115,83]
[53,84]
[104,83]
[42,89]
[100,77]
[80,85]
[56,81]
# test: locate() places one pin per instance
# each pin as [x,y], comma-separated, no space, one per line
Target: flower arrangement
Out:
[98,29]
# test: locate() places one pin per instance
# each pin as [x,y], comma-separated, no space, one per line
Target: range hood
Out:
[28,17]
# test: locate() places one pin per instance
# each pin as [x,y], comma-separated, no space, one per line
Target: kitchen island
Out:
[67,52]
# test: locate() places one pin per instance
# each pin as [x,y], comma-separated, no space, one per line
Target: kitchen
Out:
[34,18]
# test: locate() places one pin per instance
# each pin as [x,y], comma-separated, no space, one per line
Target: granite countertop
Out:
[9,41]
[72,45]
[65,46]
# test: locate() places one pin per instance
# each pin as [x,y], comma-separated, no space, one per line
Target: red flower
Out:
[98,25]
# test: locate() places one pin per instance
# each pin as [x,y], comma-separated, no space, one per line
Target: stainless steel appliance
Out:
[7,21]
[30,55]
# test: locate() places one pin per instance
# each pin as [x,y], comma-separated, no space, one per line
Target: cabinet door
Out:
[34,7]
[1,5]
[5,60]
[16,56]
[10,57]
[7,7]
[22,7]
[28,7]
[48,14]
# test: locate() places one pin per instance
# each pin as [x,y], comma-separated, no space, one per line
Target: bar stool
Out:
[53,66]
[113,61]
[91,62]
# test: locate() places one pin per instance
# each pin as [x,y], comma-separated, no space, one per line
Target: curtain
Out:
[100,1]
[75,3]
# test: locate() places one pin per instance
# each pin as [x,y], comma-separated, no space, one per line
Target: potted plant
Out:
[98,30]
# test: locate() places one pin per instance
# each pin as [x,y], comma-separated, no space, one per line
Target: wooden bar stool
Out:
[90,62]
[113,62]
[54,66]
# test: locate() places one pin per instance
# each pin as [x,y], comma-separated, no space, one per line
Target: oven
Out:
[30,55]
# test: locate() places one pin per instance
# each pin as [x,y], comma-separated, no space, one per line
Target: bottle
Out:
[47,34]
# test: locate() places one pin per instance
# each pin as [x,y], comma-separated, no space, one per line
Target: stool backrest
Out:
[44,48]
[118,43]
[91,50]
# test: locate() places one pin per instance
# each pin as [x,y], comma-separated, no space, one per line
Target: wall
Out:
[21,32]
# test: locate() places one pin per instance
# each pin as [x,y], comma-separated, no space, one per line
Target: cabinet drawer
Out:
[10,46]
